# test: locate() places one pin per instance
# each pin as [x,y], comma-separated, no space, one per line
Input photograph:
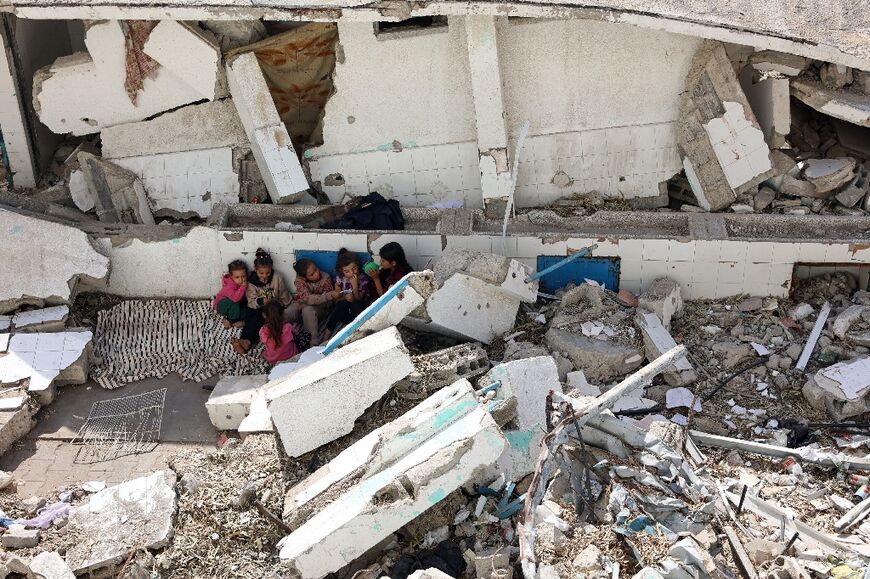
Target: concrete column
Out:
[489,112]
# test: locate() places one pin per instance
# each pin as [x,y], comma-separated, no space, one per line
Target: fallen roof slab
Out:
[44,261]
[840,104]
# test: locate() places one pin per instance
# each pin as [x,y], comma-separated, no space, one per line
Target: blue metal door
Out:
[604,270]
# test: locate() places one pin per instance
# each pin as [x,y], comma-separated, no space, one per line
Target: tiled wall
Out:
[740,147]
[12,125]
[622,162]
[415,176]
[704,269]
[188,180]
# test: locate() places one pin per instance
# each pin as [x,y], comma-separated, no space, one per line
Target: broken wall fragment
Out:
[723,147]
[118,194]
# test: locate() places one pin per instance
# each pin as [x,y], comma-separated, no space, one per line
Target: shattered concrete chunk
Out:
[796,187]
[841,104]
[664,298]
[79,191]
[206,126]
[185,52]
[657,340]
[259,419]
[278,162]
[84,93]
[118,520]
[119,195]
[17,537]
[50,319]
[829,174]
[50,565]
[401,306]
[723,146]
[835,75]
[424,470]
[840,389]
[509,274]
[346,383]
[44,261]
[230,401]
[468,307]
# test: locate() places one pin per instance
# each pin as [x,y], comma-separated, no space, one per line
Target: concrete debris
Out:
[657,341]
[17,537]
[50,565]
[230,401]
[79,191]
[347,382]
[51,319]
[259,419]
[664,298]
[841,104]
[508,274]
[835,76]
[614,351]
[121,519]
[66,256]
[723,146]
[277,160]
[83,93]
[46,360]
[441,368]
[780,62]
[236,33]
[826,175]
[395,478]
[208,125]
[401,306]
[119,195]
[184,51]
[840,389]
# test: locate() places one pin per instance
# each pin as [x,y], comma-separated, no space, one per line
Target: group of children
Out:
[260,304]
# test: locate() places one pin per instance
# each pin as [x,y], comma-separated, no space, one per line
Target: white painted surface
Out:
[343,384]
[50,565]
[270,141]
[473,308]
[85,92]
[187,54]
[230,401]
[187,181]
[41,357]
[43,260]
[846,380]
[771,103]
[12,117]
[740,147]
[33,317]
[78,190]
[486,80]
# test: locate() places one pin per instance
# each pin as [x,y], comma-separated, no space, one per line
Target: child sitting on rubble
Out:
[314,295]
[229,303]
[264,286]
[355,292]
[277,335]
[394,266]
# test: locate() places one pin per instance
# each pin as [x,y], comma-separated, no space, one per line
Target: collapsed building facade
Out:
[585,168]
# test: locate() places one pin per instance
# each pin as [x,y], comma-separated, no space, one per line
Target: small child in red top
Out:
[276,334]
[230,302]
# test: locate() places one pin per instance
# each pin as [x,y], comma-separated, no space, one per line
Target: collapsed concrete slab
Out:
[841,104]
[657,340]
[119,195]
[15,423]
[118,520]
[781,62]
[441,368]
[83,93]
[594,335]
[346,383]
[270,142]
[826,175]
[840,389]
[50,319]
[421,285]
[44,261]
[50,565]
[391,477]
[508,274]
[771,102]
[230,401]
[664,298]
[723,146]
[46,360]
[208,125]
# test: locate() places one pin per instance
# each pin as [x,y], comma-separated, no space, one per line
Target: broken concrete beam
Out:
[230,401]
[84,93]
[467,307]
[206,126]
[826,175]
[657,340]
[119,196]
[508,274]
[346,383]
[50,565]
[136,514]
[400,306]
[185,51]
[723,146]
[664,299]
[383,446]
[270,142]
[781,62]
[841,104]
[44,261]
[840,389]
[392,493]
[50,319]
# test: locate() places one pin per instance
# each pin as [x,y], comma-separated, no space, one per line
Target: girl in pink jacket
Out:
[276,334]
